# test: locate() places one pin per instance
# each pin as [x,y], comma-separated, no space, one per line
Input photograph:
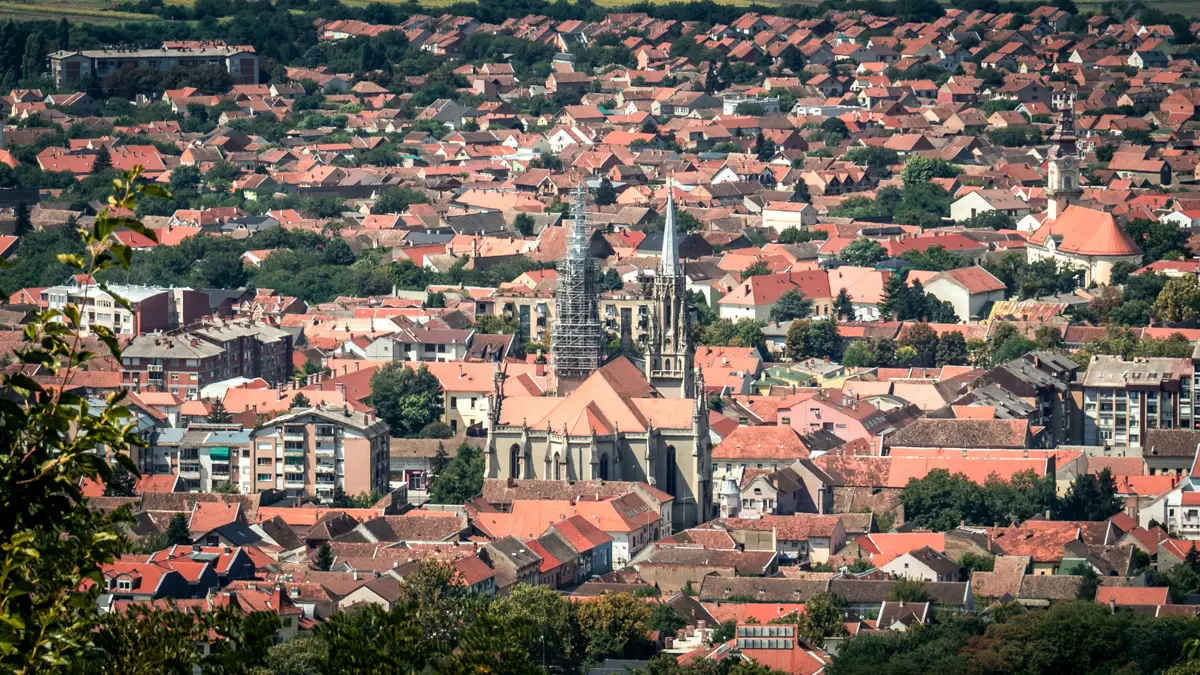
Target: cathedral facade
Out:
[619,421]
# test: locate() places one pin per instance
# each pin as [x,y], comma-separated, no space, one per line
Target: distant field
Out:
[73,10]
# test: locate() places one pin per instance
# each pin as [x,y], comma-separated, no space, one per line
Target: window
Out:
[264,477]
[453,401]
[124,584]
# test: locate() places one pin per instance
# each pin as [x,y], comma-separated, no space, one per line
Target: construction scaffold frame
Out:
[575,339]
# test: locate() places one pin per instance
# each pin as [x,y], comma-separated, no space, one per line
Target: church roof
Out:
[1085,231]
[614,397]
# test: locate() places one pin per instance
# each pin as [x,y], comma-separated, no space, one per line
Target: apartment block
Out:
[151,308]
[184,363]
[72,66]
[1123,399]
[206,456]
[315,450]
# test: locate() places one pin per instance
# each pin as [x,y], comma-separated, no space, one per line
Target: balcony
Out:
[326,479]
[189,470]
[292,449]
[220,471]
[326,449]
[293,438]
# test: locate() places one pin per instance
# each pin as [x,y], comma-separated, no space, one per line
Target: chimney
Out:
[355,574]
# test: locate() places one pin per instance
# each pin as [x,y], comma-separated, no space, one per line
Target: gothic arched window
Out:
[514,459]
[604,467]
[672,469]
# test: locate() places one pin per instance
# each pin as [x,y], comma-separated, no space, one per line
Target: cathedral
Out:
[615,421]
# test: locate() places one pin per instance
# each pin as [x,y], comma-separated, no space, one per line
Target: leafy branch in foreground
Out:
[51,544]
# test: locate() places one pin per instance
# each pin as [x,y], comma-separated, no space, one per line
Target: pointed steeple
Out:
[668,264]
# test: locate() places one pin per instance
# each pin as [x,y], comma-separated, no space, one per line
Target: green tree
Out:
[301,655]
[791,305]
[325,557]
[923,339]
[300,401]
[102,161]
[920,169]
[22,225]
[397,200]
[843,306]
[1091,497]
[554,638]
[952,350]
[1178,301]
[218,414]
[436,429]
[895,296]
[862,252]
[858,354]
[606,194]
[494,324]
[824,616]
[524,224]
[615,625]
[461,479]
[757,269]
[908,590]
[178,533]
[407,400]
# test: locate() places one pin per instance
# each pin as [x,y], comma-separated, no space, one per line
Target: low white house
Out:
[982,201]
[781,216]
[967,289]
[1183,219]
[923,564]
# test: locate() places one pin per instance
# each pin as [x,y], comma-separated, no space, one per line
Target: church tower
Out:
[575,339]
[1062,176]
[670,355]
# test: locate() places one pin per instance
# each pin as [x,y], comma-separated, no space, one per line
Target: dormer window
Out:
[124,584]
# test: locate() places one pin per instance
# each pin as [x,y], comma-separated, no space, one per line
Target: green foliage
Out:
[873,157]
[794,235]
[461,479]
[726,333]
[1036,279]
[757,269]
[606,194]
[863,252]
[397,200]
[791,305]
[813,339]
[524,224]
[940,501]
[920,169]
[1015,137]
[54,439]
[995,220]
[325,557]
[978,562]
[923,340]
[1178,301]
[824,616]
[952,350]
[933,259]
[843,306]
[551,632]
[437,429]
[908,590]
[407,400]
[178,533]
[1091,497]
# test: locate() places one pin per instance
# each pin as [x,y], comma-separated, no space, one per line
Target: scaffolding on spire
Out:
[575,340]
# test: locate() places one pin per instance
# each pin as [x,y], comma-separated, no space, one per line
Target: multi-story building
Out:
[1042,380]
[430,344]
[1123,399]
[151,308]
[72,66]
[178,364]
[315,450]
[206,456]
[250,349]
[185,363]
